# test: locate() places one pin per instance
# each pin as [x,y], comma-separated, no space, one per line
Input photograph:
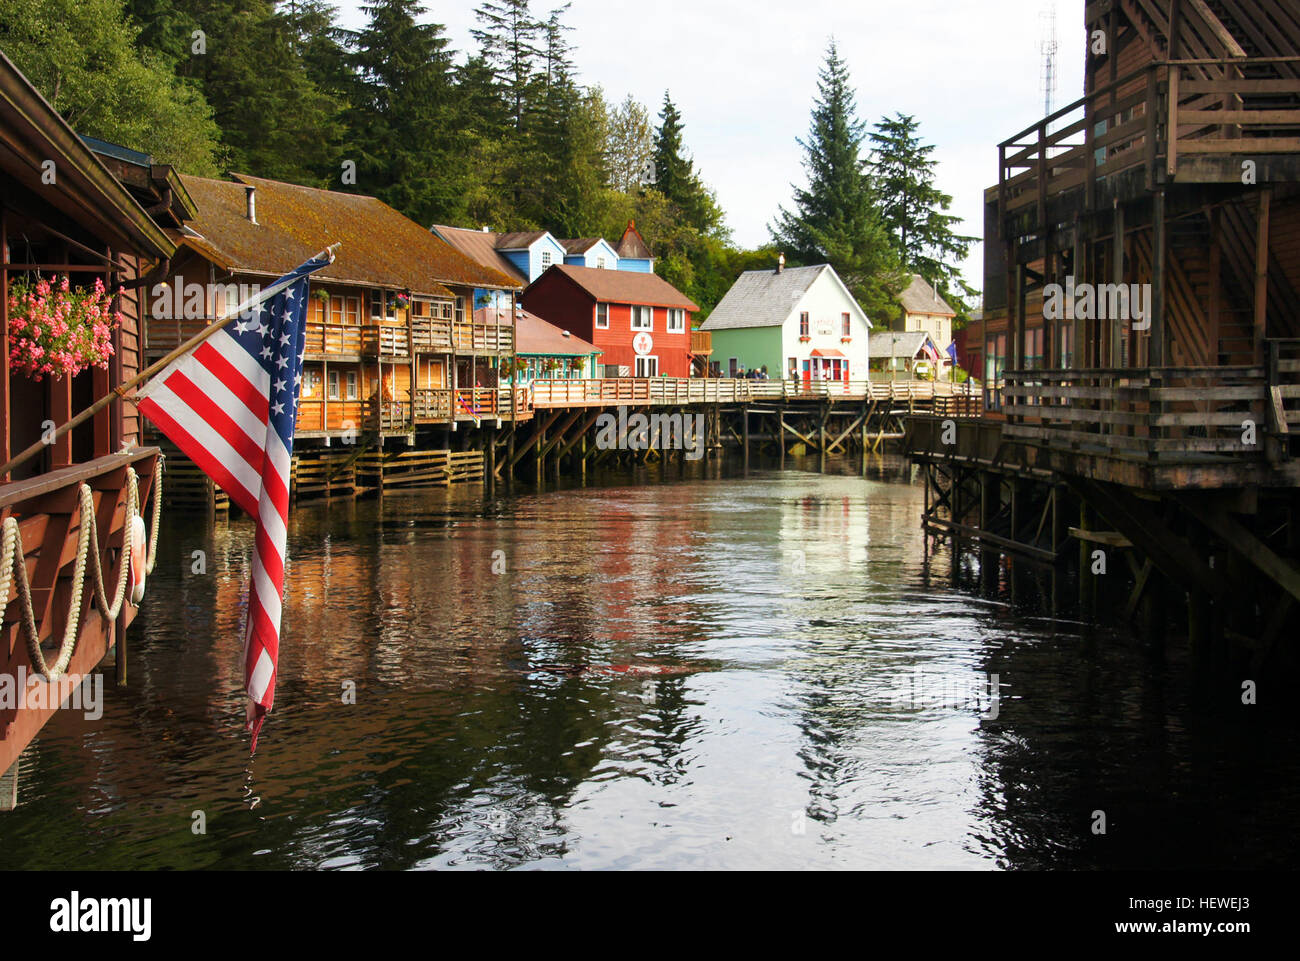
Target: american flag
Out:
[230,405]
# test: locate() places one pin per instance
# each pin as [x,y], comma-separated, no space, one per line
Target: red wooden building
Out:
[641,322]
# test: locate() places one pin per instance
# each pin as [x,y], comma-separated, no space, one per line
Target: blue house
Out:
[526,255]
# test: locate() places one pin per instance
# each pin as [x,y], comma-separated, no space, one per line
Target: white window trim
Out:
[645,357]
[676,320]
[637,312]
[605,325]
[547,259]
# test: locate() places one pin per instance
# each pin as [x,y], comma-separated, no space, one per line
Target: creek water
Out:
[703,667]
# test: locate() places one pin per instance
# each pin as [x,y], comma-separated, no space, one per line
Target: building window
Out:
[803,324]
[600,263]
[376,304]
[333,385]
[458,307]
[643,318]
[352,312]
[546,259]
[676,320]
[336,310]
[847,325]
[602,316]
[352,385]
[647,366]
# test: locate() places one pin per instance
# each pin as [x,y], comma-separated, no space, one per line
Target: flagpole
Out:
[119,393]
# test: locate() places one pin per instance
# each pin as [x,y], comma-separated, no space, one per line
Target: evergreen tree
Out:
[675,176]
[511,42]
[82,56]
[408,142]
[914,209]
[837,219]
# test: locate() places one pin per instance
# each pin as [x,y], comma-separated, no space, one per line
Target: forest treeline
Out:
[505,135]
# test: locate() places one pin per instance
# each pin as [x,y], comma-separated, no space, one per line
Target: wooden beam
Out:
[1250,547]
[1261,272]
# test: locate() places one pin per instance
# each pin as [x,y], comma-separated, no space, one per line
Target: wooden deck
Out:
[49,520]
[684,391]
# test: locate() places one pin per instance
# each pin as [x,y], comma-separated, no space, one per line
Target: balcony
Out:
[1185,121]
[444,336]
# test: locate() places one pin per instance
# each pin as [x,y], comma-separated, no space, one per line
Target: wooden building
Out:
[640,322]
[800,323]
[63,214]
[1140,340]
[391,341]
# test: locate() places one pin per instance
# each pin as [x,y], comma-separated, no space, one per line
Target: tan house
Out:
[925,311]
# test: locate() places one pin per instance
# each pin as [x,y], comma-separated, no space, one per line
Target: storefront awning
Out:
[828,353]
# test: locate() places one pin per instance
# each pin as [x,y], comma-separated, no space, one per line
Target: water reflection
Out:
[700,671]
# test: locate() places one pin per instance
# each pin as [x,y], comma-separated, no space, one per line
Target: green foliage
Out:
[503,135]
[837,218]
[914,210]
[82,56]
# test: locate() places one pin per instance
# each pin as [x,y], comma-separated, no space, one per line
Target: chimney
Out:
[485,230]
[250,194]
[780,263]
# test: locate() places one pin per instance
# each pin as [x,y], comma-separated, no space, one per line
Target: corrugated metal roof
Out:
[381,248]
[762,298]
[921,298]
[620,286]
[480,246]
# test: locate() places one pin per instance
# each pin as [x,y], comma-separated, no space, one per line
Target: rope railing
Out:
[13,570]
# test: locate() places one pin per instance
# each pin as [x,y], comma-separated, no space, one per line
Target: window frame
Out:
[605,325]
[676,320]
[645,359]
[639,311]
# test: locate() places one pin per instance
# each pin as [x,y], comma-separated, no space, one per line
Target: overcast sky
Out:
[744,74]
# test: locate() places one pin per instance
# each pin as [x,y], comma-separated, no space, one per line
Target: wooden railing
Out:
[732,390]
[385,340]
[436,334]
[1211,107]
[333,339]
[49,523]
[441,403]
[1157,413]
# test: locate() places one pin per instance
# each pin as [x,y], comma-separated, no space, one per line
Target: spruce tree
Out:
[675,176]
[410,145]
[511,42]
[914,210]
[837,218]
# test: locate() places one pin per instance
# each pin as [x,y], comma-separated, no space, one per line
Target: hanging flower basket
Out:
[401,301]
[58,330]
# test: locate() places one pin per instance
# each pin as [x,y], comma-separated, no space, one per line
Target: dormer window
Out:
[546,259]
[600,263]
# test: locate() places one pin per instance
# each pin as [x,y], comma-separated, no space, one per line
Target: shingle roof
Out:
[380,247]
[620,286]
[537,336]
[633,245]
[762,298]
[896,343]
[480,246]
[920,298]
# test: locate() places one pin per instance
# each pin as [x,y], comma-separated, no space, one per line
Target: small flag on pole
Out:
[952,352]
[231,405]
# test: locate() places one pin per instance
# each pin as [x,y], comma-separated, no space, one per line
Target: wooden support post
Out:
[744,416]
[491,462]
[780,433]
[1261,272]
[1117,277]
[1157,349]
[1216,281]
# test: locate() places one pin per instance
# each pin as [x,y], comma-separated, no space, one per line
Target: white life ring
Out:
[138,557]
